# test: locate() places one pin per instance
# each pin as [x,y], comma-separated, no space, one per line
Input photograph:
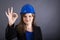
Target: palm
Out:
[11,16]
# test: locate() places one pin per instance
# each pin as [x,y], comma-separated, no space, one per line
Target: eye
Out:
[25,16]
[30,16]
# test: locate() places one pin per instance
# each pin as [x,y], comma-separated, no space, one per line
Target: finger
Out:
[16,15]
[8,10]
[6,13]
[11,9]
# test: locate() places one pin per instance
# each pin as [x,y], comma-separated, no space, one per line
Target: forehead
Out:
[28,14]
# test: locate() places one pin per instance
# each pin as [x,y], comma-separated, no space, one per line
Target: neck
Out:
[29,25]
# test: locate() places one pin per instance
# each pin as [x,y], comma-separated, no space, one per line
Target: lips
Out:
[27,21]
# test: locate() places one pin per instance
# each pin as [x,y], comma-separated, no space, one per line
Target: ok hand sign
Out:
[12,16]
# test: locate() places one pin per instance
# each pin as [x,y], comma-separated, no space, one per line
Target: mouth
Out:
[27,21]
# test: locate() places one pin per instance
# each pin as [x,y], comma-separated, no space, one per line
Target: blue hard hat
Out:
[27,9]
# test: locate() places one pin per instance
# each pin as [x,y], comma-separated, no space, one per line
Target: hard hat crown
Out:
[27,9]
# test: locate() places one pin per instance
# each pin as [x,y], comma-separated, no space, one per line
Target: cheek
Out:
[24,19]
[31,19]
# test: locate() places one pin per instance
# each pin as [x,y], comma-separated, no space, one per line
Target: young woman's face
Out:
[28,18]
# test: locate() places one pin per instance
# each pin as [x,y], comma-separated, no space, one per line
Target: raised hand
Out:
[12,16]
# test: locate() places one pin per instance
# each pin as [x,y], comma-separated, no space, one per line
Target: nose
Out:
[27,18]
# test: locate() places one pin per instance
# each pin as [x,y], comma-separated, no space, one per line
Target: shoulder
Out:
[38,27]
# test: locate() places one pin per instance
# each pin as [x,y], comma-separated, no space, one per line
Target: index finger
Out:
[11,9]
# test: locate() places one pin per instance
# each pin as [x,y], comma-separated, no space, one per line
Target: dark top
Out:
[29,35]
[12,32]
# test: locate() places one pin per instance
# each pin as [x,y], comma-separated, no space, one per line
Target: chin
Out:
[27,23]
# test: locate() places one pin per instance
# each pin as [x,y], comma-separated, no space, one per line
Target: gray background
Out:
[47,16]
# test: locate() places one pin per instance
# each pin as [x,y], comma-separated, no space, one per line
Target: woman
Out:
[26,29]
